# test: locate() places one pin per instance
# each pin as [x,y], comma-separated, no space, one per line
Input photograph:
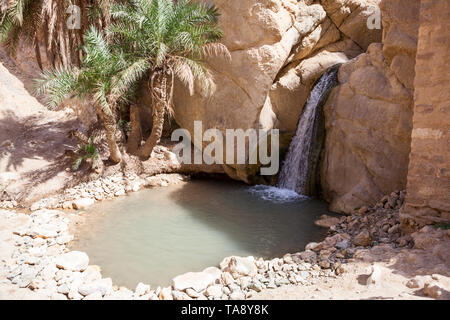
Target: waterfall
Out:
[295,171]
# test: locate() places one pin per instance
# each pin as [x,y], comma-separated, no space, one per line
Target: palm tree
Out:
[97,80]
[166,39]
[37,21]
[150,41]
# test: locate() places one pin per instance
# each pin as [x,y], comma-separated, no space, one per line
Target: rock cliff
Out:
[279,48]
[369,115]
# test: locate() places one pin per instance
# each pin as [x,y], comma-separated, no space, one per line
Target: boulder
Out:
[73,261]
[369,115]
[326,221]
[351,18]
[240,266]
[82,203]
[104,286]
[278,50]
[363,239]
[198,281]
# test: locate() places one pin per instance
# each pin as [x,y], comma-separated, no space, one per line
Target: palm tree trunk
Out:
[135,137]
[155,136]
[110,128]
[160,101]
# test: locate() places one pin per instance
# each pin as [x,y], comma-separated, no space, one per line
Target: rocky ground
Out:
[364,257]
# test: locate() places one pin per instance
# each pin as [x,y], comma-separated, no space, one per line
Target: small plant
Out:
[86,151]
[444,226]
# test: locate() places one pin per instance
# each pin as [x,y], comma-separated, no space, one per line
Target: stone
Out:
[375,276]
[240,266]
[308,255]
[214,272]
[364,145]
[142,289]
[198,281]
[325,264]
[227,278]
[73,261]
[58,296]
[104,286]
[178,295]
[363,239]
[166,294]
[414,283]
[433,290]
[97,295]
[326,221]
[214,291]
[63,289]
[237,295]
[192,293]
[82,203]
[91,274]
[255,285]
[121,294]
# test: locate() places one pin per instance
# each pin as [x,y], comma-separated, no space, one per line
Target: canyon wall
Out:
[428,188]
[279,48]
[369,115]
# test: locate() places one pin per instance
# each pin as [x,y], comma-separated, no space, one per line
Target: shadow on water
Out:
[266,228]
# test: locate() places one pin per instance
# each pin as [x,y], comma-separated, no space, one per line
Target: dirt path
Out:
[32,141]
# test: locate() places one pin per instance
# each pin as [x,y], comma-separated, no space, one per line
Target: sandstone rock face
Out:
[279,48]
[351,16]
[428,196]
[369,117]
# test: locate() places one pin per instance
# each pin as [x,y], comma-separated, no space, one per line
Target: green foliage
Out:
[444,226]
[85,151]
[146,35]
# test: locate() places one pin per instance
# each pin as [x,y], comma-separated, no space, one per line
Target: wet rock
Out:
[73,260]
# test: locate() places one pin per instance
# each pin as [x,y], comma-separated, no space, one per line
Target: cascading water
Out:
[296,167]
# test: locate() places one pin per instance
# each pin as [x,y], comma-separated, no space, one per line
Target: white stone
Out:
[142,289]
[92,273]
[104,286]
[214,291]
[237,295]
[82,203]
[195,280]
[94,296]
[243,266]
[73,260]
